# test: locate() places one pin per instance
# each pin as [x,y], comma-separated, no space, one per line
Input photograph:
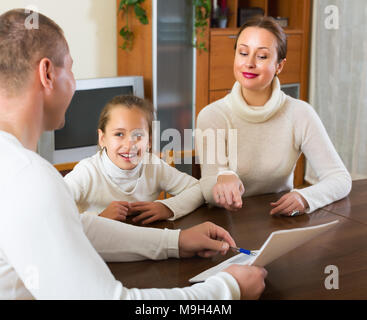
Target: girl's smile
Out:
[129,157]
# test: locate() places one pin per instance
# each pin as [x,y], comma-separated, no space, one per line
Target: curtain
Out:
[338,79]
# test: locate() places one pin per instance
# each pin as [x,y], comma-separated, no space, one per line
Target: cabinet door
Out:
[292,69]
[221,61]
[218,94]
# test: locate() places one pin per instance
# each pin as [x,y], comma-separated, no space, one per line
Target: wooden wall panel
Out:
[137,62]
[292,69]
[221,59]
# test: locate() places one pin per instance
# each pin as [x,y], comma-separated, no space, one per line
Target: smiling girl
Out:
[272,130]
[124,178]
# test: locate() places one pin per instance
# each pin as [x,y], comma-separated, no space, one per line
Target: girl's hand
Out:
[228,192]
[289,203]
[150,211]
[117,210]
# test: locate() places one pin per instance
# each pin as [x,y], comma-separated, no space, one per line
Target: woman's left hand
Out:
[289,203]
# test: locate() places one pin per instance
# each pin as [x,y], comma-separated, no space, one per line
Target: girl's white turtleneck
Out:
[126,180]
[96,181]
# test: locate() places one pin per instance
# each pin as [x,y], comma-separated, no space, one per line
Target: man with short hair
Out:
[47,250]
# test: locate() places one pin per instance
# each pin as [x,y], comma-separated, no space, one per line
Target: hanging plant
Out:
[202,14]
[126,33]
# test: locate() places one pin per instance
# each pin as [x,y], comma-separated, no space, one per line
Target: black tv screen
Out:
[81,118]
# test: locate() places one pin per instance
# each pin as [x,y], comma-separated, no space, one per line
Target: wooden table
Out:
[300,274]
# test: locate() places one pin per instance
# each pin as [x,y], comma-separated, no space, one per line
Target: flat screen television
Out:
[78,138]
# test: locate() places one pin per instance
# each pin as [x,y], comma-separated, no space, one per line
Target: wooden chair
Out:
[65,168]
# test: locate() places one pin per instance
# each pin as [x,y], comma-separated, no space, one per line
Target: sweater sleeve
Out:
[334,181]
[211,126]
[44,233]
[79,182]
[116,241]
[185,189]
[222,286]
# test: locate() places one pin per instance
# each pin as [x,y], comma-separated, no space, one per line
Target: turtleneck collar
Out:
[256,114]
[125,179]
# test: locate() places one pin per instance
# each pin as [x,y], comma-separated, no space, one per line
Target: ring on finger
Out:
[295,213]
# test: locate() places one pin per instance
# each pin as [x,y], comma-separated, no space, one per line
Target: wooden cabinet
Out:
[221,59]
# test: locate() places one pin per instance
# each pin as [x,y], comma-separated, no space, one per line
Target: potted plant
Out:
[126,32]
[202,15]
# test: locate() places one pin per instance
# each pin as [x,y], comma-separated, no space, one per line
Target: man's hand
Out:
[290,202]
[228,191]
[150,212]
[117,210]
[204,240]
[250,280]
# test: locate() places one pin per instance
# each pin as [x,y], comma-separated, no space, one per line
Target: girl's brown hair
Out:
[127,101]
[272,26]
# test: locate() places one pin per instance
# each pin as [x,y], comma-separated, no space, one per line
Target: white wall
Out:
[90,29]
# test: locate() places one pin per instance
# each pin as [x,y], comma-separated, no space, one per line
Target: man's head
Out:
[36,59]
[21,49]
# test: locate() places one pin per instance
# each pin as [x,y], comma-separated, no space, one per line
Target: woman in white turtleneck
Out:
[265,133]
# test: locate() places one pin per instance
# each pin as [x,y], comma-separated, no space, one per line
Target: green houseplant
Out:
[202,14]
[126,32]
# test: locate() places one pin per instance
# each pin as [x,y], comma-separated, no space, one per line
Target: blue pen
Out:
[248,252]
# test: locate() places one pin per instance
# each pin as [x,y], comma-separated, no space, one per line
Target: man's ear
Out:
[47,73]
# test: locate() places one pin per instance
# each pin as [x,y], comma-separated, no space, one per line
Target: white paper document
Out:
[278,243]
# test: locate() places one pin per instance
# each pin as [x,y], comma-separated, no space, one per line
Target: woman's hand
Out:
[117,210]
[150,211]
[228,191]
[289,203]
